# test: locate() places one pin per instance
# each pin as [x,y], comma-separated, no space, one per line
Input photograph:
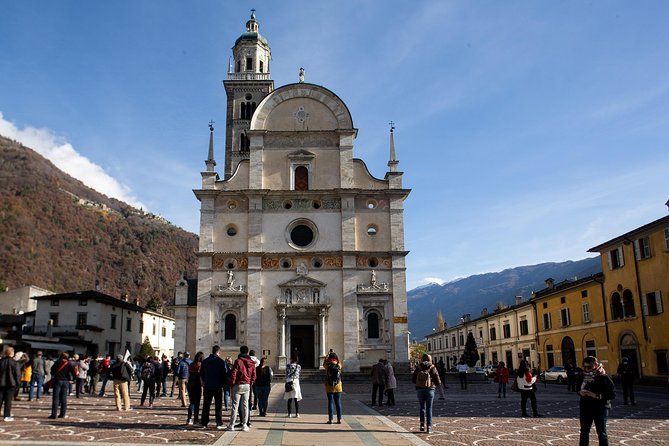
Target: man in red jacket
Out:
[242,377]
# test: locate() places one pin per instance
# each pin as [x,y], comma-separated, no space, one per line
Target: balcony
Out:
[60,330]
[249,76]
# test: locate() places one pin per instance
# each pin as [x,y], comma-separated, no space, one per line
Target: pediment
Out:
[301,154]
[302,281]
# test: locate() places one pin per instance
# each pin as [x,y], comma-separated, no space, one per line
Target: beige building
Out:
[507,334]
[20,300]
[301,248]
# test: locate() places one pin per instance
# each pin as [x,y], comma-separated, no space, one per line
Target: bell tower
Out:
[247,85]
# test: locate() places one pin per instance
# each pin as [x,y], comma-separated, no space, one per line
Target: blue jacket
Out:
[214,372]
[182,368]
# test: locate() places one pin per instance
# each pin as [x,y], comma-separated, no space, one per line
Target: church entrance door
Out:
[302,344]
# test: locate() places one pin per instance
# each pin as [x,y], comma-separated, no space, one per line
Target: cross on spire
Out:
[211,125]
[392,125]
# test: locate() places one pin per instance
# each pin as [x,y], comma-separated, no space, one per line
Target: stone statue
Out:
[301,75]
[231,280]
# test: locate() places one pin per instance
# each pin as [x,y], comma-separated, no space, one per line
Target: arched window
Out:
[301,178]
[616,306]
[247,113]
[628,304]
[372,326]
[230,331]
[242,114]
[244,143]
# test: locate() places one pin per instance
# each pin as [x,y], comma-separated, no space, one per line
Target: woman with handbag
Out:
[293,392]
[62,372]
[526,386]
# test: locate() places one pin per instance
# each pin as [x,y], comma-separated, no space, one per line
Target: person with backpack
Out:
[333,385]
[426,378]
[147,373]
[122,374]
[62,372]
[596,390]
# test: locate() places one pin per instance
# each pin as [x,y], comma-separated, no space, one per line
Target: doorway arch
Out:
[568,351]
[629,348]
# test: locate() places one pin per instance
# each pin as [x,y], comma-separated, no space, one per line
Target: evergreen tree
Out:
[146,350]
[471,354]
[441,325]
[154,304]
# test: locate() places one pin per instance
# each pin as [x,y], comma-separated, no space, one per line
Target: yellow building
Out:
[636,271]
[571,322]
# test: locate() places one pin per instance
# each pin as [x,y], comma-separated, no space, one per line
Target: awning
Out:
[49,345]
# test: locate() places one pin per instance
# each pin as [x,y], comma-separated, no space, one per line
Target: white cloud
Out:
[66,158]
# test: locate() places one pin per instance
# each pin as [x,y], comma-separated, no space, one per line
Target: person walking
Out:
[263,385]
[293,391]
[82,374]
[596,390]
[37,378]
[627,373]
[62,372]
[333,386]
[48,363]
[378,374]
[571,375]
[194,389]
[502,378]
[147,373]
[425,377]
[214,375]
[526,385]
[122,374]
[242,377]
[105,366]
[391,383]
[9,381]
[93,375]
[462,373]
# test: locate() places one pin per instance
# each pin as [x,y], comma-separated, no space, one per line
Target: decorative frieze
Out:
[222,262]
[274,204]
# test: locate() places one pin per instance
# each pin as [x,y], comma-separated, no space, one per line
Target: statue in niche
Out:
[373,279]
[230,285]
[302,269]
[374,285]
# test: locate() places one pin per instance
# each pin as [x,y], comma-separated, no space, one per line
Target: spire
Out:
[392,163]
[210,162]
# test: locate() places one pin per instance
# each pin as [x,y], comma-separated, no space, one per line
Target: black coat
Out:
[602,385]
[9,372]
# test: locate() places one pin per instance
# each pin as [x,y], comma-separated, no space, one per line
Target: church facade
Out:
[301,249]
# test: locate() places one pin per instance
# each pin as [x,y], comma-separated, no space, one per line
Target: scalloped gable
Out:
[302,107]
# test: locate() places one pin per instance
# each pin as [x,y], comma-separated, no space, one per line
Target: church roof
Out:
[252,36]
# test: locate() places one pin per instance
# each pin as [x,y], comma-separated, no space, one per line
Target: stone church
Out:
[301,248]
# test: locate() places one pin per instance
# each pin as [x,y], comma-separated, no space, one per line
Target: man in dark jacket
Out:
[9,381]
[214,375]
[122,373]
[62,373]
[627,373]
[378,381]
[242,377]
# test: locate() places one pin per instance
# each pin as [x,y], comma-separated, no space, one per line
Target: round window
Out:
[301,234]
[231,230]
[372,230]
[372,262]
[371,204]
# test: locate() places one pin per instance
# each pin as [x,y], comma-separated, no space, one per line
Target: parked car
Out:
[556,373]
[479,370]
[490,370]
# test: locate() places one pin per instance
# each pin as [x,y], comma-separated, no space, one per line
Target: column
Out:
[282,340]
[322,336]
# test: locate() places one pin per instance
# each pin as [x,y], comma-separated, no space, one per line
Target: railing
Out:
[58,329]
[249,76]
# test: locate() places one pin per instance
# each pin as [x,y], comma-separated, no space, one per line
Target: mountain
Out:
[59,234]
[471,294]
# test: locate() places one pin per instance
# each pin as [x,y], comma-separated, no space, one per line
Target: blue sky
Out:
[529,131]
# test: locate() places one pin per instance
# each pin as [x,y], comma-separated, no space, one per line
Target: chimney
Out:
[137,301]
[550,283]
[519,299]
[124,297]
[484,312]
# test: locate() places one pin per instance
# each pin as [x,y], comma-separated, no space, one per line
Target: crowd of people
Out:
[244,384]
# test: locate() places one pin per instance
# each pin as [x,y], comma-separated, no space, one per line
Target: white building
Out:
[301,248]
[95,323]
